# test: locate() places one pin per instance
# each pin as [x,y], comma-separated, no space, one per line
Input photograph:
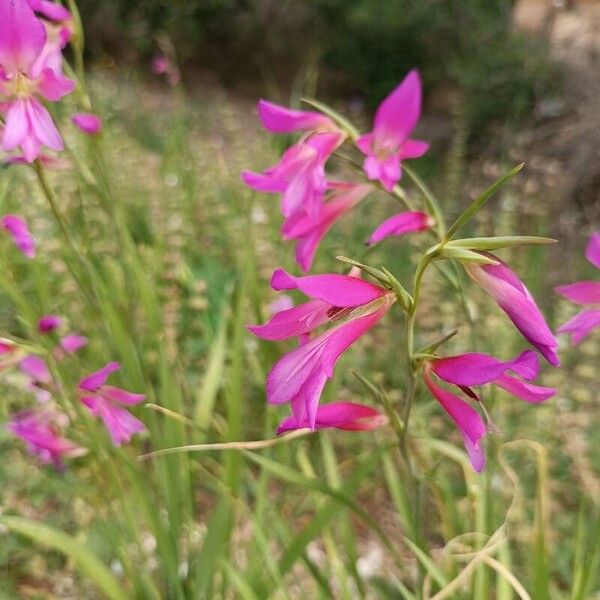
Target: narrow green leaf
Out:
[376,273]
[87,562]
[462,254]
[493,243]
[478,203]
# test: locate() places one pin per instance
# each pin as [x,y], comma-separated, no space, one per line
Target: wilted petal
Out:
[581,292]
[477,369]
[592,251]
[339,415]
[400,224]
[342,291]
[467,419]
[581,324]
[18,230]
[523,390]
[92,382]
[293,321]
[279,119]
[87,122]
[22,36]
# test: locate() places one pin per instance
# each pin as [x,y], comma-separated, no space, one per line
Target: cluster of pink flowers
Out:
[310,205]
[33,34]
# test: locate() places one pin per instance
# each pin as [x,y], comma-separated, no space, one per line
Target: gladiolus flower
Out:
[106,402]
[73,342]
[28,71]
[513,297]
[48,323]
[348,416]
[40,433]
[309,232]
[36,368]
[87,122]
[586,293]
[401,224]
[18,230]
[467,370]
[389,143]
[299,377]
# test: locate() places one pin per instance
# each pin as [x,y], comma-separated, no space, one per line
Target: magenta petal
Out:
[43,126]
[52,84]
[18,230]
[87,122]
[299,376]
[279,119]
[293,321]
[22,36]
[342,291]
[16,125]
[398,114]
[581,324]
[413,149]
[467,419]
[511,295]
[477,369]
[523,390]
[121,424]
[120,396]
[400,224]
[50,10]
[73,342]
[339,415]
[581,292]
[93,381]
[592,251]
[36,368]
[48,323]
[263,183]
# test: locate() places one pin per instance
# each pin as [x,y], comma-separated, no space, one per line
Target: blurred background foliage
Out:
[467,50]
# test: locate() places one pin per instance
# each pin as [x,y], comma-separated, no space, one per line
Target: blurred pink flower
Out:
[299,377]
[389,142]
[72,343]
[28,72]
[309,232]
[586,293]
[401,224]
[40,432]
[338,415]
[161,65]
[87,122]
[106,402]
[18,230]
[513,297]
[467,370]
[49,323]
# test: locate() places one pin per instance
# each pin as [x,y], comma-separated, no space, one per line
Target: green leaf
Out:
[478,203]
[375,273]
[493,243]
[87,562]
[333,114]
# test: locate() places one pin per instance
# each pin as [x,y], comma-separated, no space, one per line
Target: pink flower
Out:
[467,370]
[51,10]
[87,122]
[36,368]
[161,65]
[389,143]
[299,377]
[28,71]
[401,224]
[105,401]
[338,415]
[39,431]
[73,342]
[585,293]
[18,230]
[48,323]
[10,354]
[308,232]
[299,176]
[511,295]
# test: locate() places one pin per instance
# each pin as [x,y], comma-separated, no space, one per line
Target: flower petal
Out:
[120,396]
[73,342]
[18,230]
[342,291]
[581,324]
[42,125]
[16,125]
[523,390]
[48,323]
[36,368]
[592,251]
[400,224]
[87,122]
[581,292]
[93,381]
[413,149]
[278,119]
